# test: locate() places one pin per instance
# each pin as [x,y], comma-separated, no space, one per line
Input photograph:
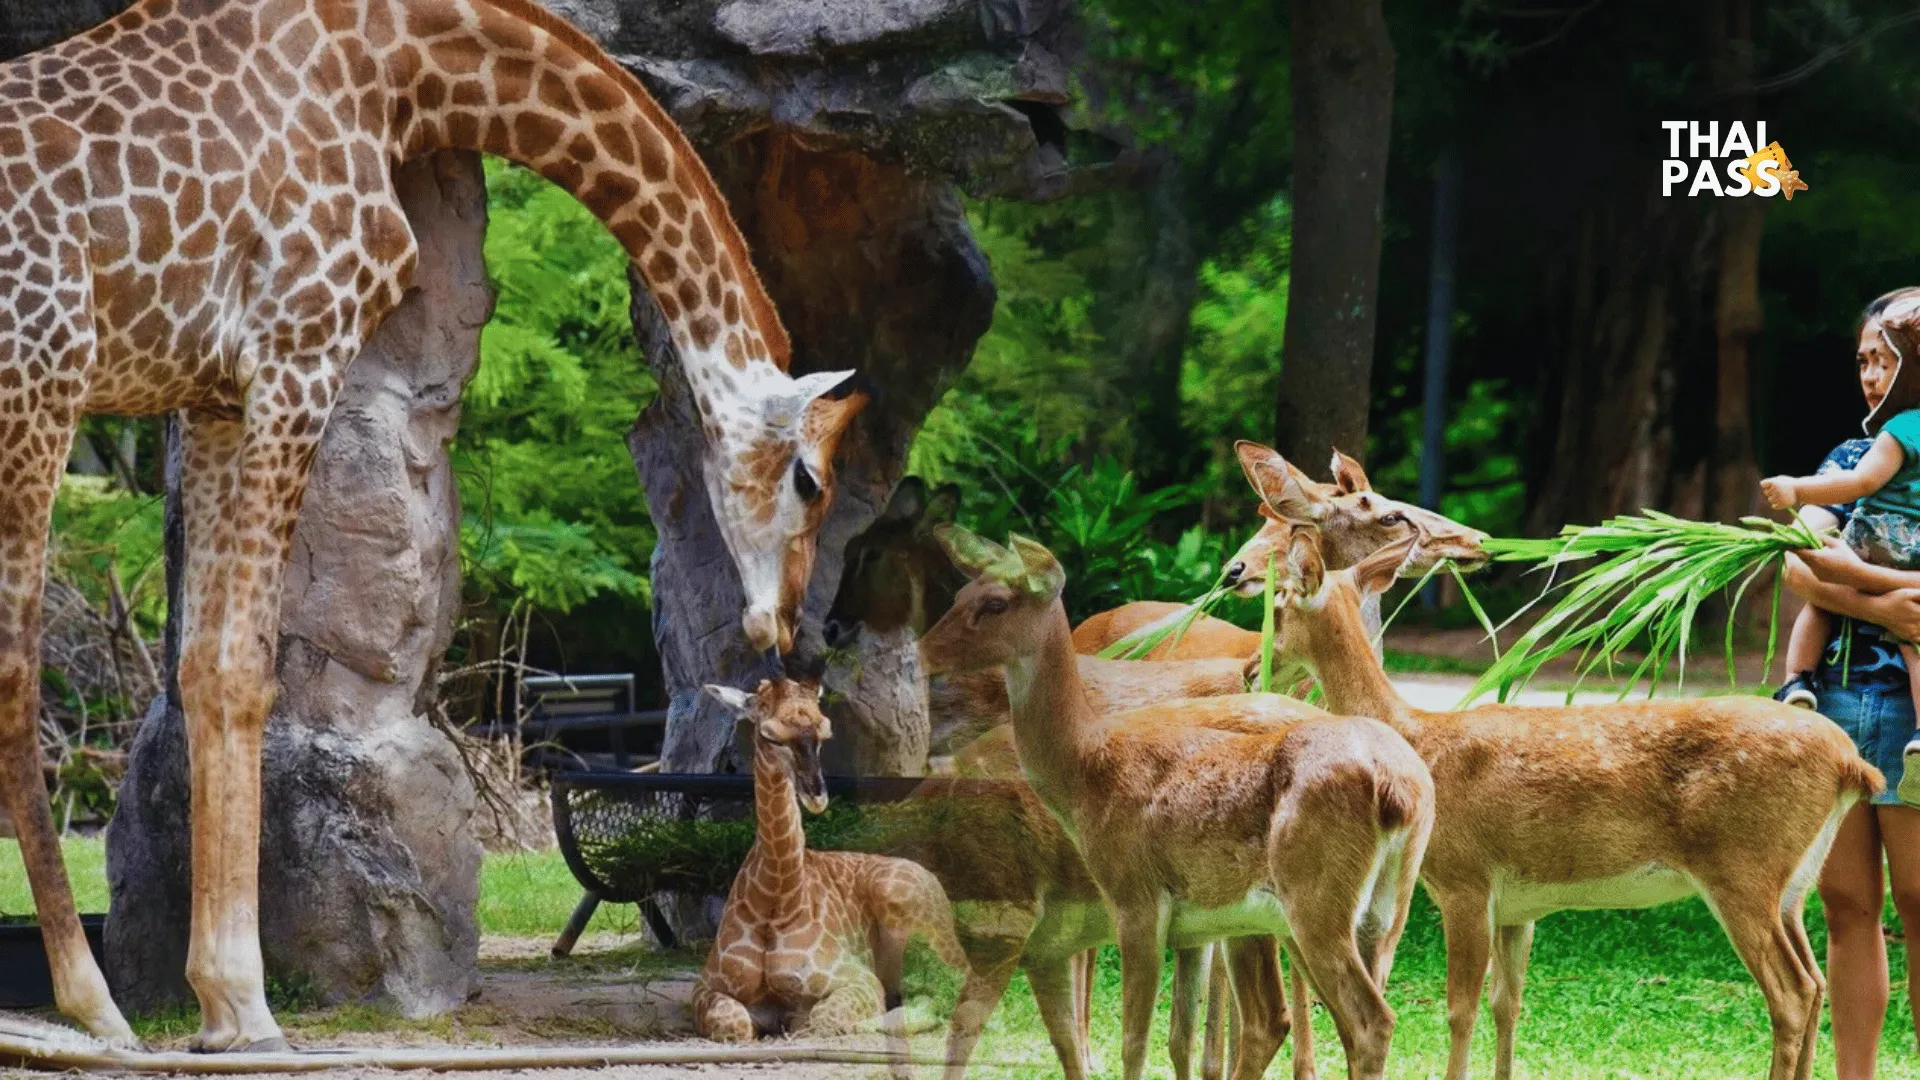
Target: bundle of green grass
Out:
[1653,573]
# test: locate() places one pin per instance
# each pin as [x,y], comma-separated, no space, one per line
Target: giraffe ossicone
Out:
[198,214]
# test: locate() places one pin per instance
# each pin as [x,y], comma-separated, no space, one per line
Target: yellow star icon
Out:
[1790,182]
[1783,171]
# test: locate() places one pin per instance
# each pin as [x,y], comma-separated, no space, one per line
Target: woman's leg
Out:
[1900,834]
[1850,890]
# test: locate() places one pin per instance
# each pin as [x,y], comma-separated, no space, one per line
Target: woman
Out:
[1863,687]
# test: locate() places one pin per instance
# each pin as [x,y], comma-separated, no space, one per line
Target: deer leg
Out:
[1511,947]
[1302,1009]
[1190,976]
[1754,925]
[1253,965]
[1084,966]
[1054,991]
[985,985]
[1464,920]
[29,473]
[1213,1050]
[1142,926]
[1792,920]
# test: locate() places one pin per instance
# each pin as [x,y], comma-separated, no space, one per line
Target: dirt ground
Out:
[612,992]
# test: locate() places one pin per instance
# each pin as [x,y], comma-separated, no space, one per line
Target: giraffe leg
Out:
[852,1005]
[29,472]
[241,492]
[720,1017]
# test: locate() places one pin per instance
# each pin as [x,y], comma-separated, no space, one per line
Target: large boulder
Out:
[842,134]
[369,875]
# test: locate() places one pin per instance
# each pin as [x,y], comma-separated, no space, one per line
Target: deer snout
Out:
[1234,570]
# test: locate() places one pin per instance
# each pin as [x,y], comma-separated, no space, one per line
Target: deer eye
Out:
[804,485]
[1395,518]
[993,605]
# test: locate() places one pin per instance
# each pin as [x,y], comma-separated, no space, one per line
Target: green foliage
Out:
[98,527]
[554,515]
[1484,486]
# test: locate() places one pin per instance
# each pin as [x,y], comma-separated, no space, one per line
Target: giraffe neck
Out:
[780,843]
[506,78]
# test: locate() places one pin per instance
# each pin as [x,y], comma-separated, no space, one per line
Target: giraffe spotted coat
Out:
[197,214]
[810,941]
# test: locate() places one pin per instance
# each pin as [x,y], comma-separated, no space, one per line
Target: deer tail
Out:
[1396,798]
[1859,778]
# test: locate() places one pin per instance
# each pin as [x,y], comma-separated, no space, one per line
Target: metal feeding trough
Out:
[628,837]
[25,980]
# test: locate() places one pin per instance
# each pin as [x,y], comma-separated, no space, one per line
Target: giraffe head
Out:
[769,473]
[789,727]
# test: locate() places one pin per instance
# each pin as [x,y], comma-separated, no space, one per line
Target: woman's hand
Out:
[1898,611]
[1833,562]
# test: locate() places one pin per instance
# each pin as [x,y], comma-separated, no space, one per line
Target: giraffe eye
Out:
[804,485]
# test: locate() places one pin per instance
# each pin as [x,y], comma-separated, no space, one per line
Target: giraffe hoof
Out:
[275,1045]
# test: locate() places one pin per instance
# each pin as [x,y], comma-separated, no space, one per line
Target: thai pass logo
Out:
[1751,164]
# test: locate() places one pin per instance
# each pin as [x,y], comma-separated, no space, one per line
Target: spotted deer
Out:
[1734,799]
[1222,818]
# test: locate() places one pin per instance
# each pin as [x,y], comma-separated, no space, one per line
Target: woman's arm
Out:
[1897,609]
[1876,467]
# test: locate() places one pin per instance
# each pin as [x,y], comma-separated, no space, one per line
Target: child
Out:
[1883,528]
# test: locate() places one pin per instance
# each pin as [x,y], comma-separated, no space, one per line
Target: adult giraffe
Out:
[197,214]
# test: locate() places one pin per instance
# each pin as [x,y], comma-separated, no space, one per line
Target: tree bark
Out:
[369,876]
[1342,78]
[1737,313]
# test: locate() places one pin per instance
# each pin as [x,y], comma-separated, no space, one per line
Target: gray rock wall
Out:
[369,866]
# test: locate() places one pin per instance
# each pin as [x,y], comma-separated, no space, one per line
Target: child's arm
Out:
[1876,467]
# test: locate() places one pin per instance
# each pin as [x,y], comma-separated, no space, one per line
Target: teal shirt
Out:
[1900,495]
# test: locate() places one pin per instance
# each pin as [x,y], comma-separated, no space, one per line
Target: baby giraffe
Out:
[810,942]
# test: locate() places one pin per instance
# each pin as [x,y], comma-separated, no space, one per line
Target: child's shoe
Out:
[1909,789]
[1802,692]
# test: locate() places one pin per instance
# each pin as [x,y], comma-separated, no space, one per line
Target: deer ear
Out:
[1045,577]
[1377,572]
[1281,486]
[942,505]
[734,699]
[909,501]
[972,553]
[1348,476]
[1306,569]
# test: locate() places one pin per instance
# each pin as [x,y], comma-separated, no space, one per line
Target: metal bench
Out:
[589,721]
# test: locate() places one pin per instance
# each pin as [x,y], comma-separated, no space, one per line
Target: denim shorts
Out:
[1879,720]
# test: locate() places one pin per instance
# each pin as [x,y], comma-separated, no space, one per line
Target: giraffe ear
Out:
[734,699]
[827,419]
[813,384]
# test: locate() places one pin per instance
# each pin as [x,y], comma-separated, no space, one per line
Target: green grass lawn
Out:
[1610,995]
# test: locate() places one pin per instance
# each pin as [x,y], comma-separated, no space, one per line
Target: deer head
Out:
[1002,614]
[769,473]
[1353,520]
[789,727]
[896,575]
[1307,593]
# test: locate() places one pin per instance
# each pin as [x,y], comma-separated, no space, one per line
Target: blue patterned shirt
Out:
[1874,662]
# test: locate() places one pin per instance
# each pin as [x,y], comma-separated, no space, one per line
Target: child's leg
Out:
[1811,628]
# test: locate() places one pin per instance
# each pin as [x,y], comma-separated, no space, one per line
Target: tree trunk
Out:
[1737,313]
[369,875]
[1343,117]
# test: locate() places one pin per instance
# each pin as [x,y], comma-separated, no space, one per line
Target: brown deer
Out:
[1734,799]
[1354,521]
[1206,820]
